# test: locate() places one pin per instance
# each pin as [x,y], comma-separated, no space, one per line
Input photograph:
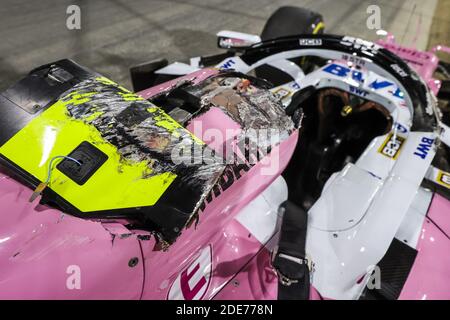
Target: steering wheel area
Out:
[338,125]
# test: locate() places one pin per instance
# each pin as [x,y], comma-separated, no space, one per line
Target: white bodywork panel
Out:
[290,68]
[239,37]
[177,69]
[351,183]
[260,216]
[343,256]
[411,227]
[233,63]
[367,204]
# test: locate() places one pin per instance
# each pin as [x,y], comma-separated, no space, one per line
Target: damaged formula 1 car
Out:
[296,165]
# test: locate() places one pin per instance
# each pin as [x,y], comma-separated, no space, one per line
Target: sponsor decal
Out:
[399,70]
[411,52]
[295,85]
[358,91]
[282,93]
[391,146]
[424,147]
[229,43]
[357,43]
[232,173]
[400,128]
[378,84]
[192,283]
[225,43]
[310,42]
[337,70]
[229,64]
[443,178]
[354,59]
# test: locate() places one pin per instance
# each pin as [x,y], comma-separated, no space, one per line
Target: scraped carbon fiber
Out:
[394,269]
[143,143]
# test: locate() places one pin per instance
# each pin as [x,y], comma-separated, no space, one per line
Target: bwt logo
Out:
[424,147]
[376,84]
[358,91]
[193,282]
[228,64]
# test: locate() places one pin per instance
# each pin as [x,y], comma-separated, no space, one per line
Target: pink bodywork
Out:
[430,274]
[42,251]
[427,280]
[46,254]
[232,246]
[424,62]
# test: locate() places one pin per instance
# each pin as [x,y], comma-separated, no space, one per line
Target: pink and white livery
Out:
[361,147]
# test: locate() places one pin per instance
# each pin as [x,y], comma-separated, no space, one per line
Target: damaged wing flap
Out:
[128,156]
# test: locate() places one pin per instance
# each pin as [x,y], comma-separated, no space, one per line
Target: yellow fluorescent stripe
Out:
[117,184]
[319,26]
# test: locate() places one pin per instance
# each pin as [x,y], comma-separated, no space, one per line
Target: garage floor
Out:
[117,34]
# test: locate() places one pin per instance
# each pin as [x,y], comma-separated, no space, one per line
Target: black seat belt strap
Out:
[289,260]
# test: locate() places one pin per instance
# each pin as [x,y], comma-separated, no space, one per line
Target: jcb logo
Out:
[282,93]
[444,179]
[391,146]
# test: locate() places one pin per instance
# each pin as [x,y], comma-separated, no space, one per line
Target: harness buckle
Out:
[284,280]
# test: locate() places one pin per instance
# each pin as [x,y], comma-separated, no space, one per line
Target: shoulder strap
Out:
[289,258]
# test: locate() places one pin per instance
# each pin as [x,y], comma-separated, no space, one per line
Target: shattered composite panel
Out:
[146,171]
